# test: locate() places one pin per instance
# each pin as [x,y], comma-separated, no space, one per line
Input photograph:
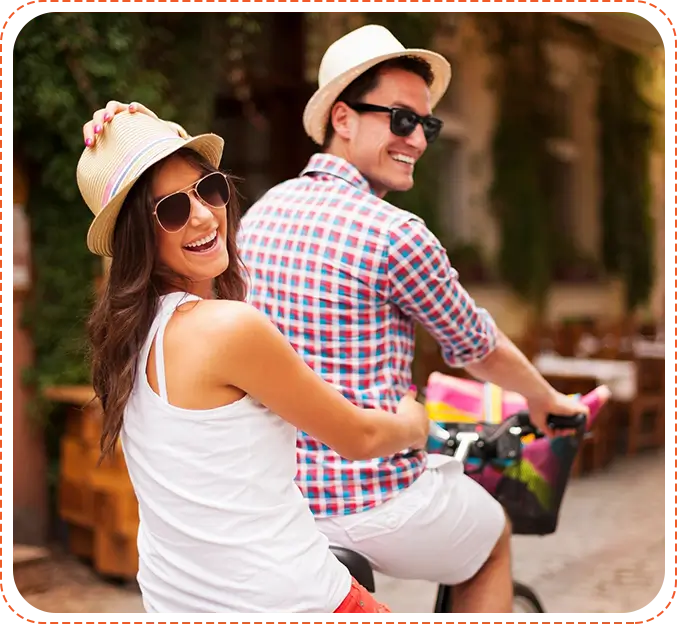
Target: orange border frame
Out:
[664,12]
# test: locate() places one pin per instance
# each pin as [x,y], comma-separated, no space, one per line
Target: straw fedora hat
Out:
[130,144]
[351,56]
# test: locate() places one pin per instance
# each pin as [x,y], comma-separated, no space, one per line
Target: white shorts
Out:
[442,528]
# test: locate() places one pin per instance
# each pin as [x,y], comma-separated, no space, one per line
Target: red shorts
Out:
[359,600]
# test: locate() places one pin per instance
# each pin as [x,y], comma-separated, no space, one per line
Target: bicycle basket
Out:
[530,489]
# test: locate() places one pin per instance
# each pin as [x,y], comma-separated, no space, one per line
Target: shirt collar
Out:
[329,164]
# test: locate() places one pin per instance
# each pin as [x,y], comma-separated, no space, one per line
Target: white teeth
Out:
[405,159]
[203,241]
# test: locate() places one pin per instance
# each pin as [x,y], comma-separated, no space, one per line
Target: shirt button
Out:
[361,603]
[391,522]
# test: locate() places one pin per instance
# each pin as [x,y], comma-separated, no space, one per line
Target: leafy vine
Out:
[519,194]
[626,140]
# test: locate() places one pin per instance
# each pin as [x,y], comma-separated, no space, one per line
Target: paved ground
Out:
[608,555]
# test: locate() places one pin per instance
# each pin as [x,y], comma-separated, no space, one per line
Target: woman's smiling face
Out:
[197,251]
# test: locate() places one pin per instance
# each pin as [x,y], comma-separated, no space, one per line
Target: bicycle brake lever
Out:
[522,419]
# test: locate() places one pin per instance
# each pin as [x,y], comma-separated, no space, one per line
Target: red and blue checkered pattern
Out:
[345,275]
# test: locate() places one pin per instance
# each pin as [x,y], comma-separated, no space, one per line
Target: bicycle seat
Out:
[357,565]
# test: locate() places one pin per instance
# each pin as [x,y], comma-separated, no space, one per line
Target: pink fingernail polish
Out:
[88,142]
[106,116]
[97,129]
[413,388]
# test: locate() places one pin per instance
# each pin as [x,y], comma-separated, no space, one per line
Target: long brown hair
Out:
[126,307]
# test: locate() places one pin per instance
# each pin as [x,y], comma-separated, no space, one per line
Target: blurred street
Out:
[607,556]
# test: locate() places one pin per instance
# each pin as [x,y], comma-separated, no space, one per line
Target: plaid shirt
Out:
[344,275]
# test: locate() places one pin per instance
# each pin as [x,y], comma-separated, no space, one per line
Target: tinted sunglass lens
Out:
[431,129]
[173,212]
[403,122]
[214,190]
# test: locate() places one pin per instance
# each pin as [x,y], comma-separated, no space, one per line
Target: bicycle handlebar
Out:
[502,441]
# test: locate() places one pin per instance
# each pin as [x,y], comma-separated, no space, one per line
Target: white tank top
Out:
[223,527]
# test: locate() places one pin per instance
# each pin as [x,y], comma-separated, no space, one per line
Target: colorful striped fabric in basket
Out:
[452,399]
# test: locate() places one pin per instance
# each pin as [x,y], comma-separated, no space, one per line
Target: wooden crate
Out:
[76,502]
[85,423]
[78,460]
[115,506]
[81,541]
[115,555]
[95,498]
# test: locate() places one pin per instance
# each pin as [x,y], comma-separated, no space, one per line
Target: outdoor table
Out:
[649,349]
[619,375]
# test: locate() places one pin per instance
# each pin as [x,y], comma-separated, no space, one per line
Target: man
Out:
[345,276]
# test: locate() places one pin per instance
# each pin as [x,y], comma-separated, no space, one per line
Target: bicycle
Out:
[478,443]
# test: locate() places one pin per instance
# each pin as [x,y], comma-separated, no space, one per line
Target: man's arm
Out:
[425,287]
[508,367]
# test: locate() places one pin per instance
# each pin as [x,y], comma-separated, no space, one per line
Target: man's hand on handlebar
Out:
[558,404]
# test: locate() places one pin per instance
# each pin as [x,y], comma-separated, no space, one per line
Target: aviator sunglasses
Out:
[403,121]
[173,212]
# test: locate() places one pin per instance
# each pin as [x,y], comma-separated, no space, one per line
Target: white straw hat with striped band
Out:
[353,54]
[130,144]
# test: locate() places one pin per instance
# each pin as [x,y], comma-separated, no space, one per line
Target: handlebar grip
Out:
[566,422]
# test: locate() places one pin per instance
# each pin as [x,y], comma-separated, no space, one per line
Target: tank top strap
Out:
[168,305]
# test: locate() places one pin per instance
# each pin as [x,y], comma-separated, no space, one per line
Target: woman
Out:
[205,393]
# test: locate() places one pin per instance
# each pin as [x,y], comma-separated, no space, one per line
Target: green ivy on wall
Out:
[59,80]
[531,248]
[519,193]
[625,147]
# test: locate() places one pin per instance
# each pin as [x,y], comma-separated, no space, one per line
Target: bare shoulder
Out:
[220,322]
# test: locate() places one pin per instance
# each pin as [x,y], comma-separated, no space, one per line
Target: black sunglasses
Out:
[403,121]
[173,212]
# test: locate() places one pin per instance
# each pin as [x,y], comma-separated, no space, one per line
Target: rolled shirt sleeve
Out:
[425,287]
